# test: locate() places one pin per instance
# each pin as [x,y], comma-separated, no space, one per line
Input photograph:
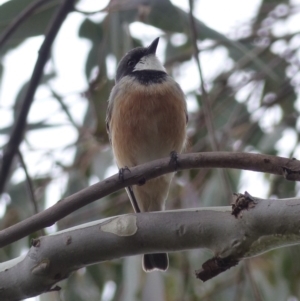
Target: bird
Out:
[146,120]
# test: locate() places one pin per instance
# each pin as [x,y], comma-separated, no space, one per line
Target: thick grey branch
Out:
[270,224]
[288,168]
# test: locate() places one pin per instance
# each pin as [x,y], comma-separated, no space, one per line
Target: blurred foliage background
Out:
[254,103]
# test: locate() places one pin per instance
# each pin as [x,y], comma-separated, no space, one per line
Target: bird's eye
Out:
[131,63]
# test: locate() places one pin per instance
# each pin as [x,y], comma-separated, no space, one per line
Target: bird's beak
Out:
[152,48]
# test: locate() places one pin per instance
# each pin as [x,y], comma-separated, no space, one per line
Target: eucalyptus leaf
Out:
[35,25]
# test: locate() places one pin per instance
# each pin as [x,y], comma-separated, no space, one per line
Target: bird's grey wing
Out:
[110,105]
[112,96]
[183,97]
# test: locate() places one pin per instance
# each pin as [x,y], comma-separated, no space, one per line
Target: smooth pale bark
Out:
[268,225]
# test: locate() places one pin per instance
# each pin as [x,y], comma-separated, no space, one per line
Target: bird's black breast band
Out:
[147,77]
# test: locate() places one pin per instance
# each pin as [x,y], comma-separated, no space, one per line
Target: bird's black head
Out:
[139,59]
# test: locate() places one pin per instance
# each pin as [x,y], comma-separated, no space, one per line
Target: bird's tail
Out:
[159,261]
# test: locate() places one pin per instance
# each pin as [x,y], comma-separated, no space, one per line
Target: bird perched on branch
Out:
[146,120]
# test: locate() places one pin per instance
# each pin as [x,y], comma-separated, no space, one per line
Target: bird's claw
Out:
[174,159]
[122,172]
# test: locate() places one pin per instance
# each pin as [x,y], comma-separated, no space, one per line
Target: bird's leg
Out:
[133,200]
[129,189]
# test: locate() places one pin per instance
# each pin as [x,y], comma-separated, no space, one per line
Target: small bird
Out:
[146,120]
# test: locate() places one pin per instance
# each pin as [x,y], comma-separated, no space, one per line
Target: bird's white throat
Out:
[149,62]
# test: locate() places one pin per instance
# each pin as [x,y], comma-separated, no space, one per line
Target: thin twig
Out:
[89,13]
[205,97]
[19,19]
[288,168]
[255,289]
[19,127]
[64,108]
[30,189]
[240,284]
[208,116]
[29,183]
